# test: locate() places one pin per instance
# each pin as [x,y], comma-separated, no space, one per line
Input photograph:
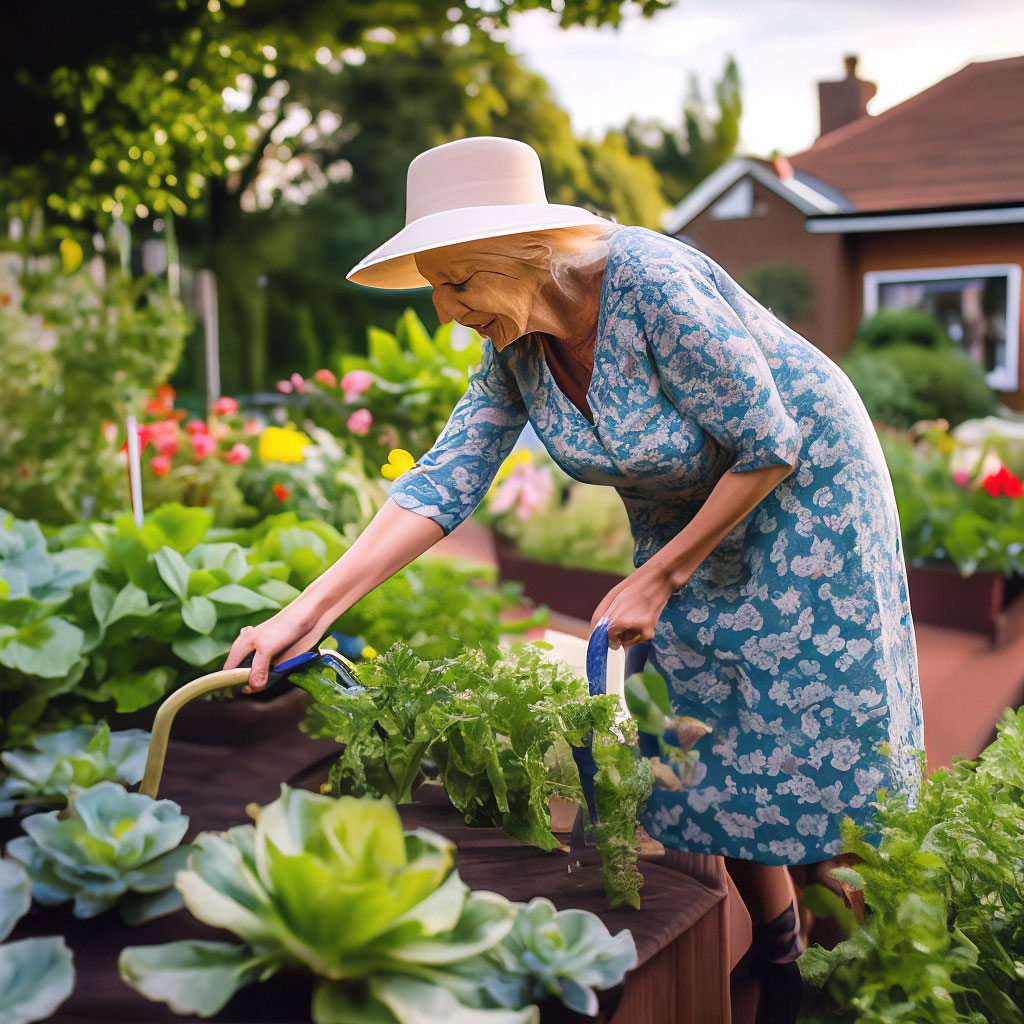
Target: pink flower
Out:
[284,386]
[961,477]
[253,427]
[160,464]
[325,377]
[526,487]
[109,430]
[204,445]
[225,407]
[297,382]
[360,422]
[197,427]
[355,382]
[239,453]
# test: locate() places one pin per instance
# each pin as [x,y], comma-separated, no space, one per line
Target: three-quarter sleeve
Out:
[450,480]
[711,366]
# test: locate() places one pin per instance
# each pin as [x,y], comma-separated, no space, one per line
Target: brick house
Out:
[922,205]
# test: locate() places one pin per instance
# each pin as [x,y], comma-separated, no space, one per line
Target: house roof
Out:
[958,143]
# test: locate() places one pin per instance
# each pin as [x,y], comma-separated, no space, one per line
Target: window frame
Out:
[1001,378]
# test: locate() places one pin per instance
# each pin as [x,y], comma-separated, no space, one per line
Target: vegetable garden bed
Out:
[676,933]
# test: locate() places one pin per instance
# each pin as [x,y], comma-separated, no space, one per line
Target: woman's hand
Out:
[634,606]
[288,633]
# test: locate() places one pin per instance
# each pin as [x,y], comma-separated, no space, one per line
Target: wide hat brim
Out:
[391,265]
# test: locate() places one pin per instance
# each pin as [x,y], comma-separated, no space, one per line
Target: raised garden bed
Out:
[568,590]
[991,603]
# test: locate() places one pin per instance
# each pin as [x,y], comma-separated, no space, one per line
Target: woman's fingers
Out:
[244,645]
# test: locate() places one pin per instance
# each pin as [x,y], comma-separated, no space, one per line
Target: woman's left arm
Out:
[635,605]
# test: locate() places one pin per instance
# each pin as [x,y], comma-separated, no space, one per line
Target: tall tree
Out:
[685,155]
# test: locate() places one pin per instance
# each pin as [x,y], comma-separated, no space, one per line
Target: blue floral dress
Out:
[794,638]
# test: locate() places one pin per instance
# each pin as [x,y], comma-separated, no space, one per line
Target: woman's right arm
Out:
[392,539]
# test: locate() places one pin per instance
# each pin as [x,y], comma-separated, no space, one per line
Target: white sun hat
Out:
[480,187]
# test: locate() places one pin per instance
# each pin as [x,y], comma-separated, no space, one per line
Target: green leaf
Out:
[49,649]
[200,614]
[174,571]
[36,976]
[238,599]
[200,650]
[193,976]
[15,895]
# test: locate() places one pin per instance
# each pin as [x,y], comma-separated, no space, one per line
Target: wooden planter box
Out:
[569,591]
[984,602]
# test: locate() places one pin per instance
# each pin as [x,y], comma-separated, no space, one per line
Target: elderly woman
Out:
[770,578]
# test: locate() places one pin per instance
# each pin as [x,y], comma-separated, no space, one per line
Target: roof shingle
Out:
[960,142]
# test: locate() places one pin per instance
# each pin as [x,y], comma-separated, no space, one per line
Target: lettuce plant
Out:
[335,887]
[82,756]
[487,722]
[36,975]
[108,847]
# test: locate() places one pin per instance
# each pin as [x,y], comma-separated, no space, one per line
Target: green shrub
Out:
[902,327]
[904,382]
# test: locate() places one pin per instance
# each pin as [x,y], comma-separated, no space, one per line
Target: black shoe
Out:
[778,941]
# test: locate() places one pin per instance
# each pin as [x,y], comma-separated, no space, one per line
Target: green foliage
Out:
[787,289]
[415,380]
[379,916]
[438,608]
[944,520]
[943,935]
[903,382]
[141,610]
[83,756]
[76,354]
[902,327]
[486,721]
[686,154]
[110,847]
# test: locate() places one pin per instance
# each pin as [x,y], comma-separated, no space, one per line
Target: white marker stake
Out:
[134,468]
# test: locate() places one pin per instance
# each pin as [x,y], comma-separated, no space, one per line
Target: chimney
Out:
[844,101]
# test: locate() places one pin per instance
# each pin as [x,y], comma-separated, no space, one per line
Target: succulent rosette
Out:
[109,847]
[46,769]
[336,887]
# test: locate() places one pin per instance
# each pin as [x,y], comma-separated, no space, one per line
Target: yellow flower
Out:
[399,462]
[70,255]
[518,458]
[368,652]
[278,444]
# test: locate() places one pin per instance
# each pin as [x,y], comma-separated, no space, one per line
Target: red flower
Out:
[160,464]
[225,407]
[197,427]
[163,403]
[203,445]
[1003,483]
[280,492]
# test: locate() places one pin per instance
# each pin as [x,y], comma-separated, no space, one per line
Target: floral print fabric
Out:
[794,638]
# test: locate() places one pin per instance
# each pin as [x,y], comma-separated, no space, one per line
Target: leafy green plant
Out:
[378,915]
[36,975]
[400,394]
[943,933]
[109,847]
[76,353]
[82,756]
[487,723]
[972,518]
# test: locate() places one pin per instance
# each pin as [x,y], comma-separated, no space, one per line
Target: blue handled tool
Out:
[347,645]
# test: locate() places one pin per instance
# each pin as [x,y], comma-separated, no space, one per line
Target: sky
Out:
[783,48]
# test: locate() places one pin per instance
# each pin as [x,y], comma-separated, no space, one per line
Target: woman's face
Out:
[493,292]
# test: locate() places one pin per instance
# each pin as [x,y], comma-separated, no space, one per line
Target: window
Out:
[979,306]
[737,203]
